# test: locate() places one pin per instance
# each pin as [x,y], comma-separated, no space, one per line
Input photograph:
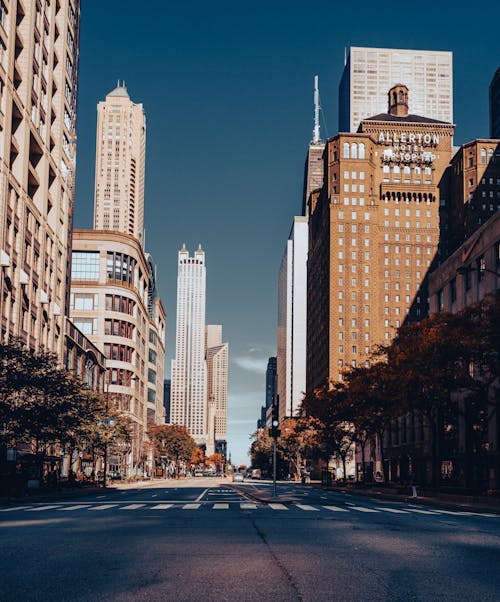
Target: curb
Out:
[421,501]
[55,496]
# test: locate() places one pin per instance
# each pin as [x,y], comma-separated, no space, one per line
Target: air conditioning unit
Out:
[4,259]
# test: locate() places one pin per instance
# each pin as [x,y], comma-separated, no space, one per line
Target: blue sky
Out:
[227,89]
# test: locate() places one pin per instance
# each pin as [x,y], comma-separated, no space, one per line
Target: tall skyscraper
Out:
[188,399]
[313,168]
[374,234]
[217,381]
[38,97]
[292,320]
[370,72]
[120,164]
[495,105]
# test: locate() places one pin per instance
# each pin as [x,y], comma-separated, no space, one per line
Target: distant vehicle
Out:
[256,473]
[198,473]
[238,477]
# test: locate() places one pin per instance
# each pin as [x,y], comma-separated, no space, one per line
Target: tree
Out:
[173,443]
[198,456]
[261,450]
[299,440]
[215,460]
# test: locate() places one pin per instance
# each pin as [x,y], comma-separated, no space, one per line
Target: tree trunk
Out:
[382,455]
[362,443]
[343,456]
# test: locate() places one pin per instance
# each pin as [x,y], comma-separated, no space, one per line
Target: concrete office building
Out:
[217,356]
[38,97]
[292,320]
[120,164]
[188,398]
[110,292]
[370,72]
[374,234]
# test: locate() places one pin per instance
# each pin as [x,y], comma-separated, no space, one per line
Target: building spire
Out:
[316,135]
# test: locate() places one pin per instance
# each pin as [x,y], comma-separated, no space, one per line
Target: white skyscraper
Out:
[370,72]
[189,369]
[217,369]
[292,320]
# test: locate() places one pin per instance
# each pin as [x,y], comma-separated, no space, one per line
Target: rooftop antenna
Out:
[316,136]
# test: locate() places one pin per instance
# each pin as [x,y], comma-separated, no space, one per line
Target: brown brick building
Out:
[374,234]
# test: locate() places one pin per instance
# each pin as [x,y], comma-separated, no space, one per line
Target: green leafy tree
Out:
[172,442]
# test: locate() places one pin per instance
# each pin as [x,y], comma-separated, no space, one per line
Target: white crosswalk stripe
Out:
[15,508]
[306,507]
[191,506]
[162,507]
[77,507]
[420,511]
[335,509]
[362,509]
[103,507]
[393,510]
[220,506]
[132,507]
[247,506]
[278,507]
[38,508]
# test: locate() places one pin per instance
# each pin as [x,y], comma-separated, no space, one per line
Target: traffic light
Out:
[275,432]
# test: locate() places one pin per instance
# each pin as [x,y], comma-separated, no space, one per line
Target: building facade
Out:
[217,357]
[120,164]
[374,234]
[370,72]
[109,304]
[188,399]
[39,45]
[292,320]
[474,188]
[495,105]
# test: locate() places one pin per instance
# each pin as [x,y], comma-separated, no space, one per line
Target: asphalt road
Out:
[202,540]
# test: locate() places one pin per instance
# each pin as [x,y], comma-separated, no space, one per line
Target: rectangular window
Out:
[85,265]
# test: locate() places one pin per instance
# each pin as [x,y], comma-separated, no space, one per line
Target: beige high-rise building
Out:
[114,305]
[120,164]
[217,381]
[38,95]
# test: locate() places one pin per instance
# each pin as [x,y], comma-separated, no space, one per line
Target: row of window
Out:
[122,353]
[120,267]
[120,303]
[119,328]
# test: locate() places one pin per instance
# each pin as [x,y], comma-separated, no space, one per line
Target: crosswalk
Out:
[274,507]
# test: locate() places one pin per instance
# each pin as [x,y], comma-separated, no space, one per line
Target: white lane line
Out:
[220,506]
[161,507]
[485,514]
[393,510]
[419,511]
[77,507]
[200,497]
[306,507]
[103,507]
[132,507]
[191,506]
[16,508]
[278,507]
[363,509]
[154,495]
[246,506]
[455,512]
[100,496]
[37,509]
[335,509]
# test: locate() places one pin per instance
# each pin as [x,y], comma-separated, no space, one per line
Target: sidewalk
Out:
[442,500]
[55,495]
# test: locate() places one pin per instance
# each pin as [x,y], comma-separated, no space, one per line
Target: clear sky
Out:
[227,90]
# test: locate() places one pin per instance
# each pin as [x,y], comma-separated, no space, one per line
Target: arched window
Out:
[483,155]
[346,150]
[354,151]
[490,155]
[361,150]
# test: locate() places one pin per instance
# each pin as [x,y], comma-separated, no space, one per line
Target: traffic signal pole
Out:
[274,466]
[275,433]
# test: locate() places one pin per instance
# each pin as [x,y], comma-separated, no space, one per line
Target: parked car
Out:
[238,477]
